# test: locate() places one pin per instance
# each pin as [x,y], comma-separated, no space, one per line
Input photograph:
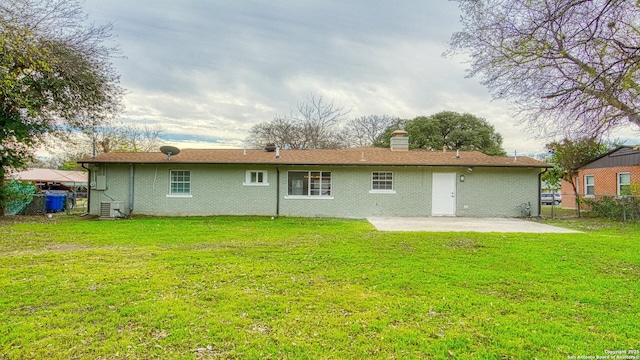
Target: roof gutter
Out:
[327,164]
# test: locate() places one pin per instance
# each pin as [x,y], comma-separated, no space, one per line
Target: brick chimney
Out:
[399,141]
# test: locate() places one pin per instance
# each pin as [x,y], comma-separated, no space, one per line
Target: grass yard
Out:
[290,288]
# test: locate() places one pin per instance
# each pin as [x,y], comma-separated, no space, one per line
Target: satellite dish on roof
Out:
[169,150]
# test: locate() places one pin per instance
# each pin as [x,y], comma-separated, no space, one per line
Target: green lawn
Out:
[290,288]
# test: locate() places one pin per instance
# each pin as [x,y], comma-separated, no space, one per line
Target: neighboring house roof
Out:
[369,156]
[620,156]
[64,177]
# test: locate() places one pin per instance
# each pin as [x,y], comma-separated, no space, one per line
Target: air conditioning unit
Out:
[112,210]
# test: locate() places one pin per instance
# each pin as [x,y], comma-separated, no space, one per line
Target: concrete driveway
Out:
[462,224]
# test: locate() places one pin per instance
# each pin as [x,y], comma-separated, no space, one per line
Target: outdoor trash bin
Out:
[55,202]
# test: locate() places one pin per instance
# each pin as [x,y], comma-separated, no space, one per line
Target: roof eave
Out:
[272,163]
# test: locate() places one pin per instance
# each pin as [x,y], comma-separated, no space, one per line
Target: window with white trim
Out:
[589,185]
[180,182]
[382,181]
[624,183]
[309,183]
[256,178]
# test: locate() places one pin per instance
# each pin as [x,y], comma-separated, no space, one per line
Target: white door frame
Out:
[443,194]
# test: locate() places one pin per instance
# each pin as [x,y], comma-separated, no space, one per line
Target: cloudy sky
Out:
[208,70]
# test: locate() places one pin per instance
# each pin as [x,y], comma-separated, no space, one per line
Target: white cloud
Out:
[212,69]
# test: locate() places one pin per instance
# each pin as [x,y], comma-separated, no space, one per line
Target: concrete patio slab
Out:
[462,224]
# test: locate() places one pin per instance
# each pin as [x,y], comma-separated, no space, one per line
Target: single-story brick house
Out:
[609,175]
[354,182]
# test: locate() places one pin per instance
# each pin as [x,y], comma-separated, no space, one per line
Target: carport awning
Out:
[64,177]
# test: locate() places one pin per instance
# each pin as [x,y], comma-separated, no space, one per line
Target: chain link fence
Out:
[620,208]
[55,202]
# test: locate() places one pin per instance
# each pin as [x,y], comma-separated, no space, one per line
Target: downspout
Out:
[540,192]
[88,189]
[132,168]
[277,192]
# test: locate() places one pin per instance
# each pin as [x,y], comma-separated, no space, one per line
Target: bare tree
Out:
[316,126]
[319,120]
[120,137]
[567,66]
[98,138]
[143,138]
[283,132]
[110,136]
[364,131]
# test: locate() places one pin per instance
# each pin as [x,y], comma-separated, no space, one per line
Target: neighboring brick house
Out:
[609,175]
[355,182]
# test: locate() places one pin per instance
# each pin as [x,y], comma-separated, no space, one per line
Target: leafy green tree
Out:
[55,75]
[567,66]
[451,129]
[569,155]
[553,177]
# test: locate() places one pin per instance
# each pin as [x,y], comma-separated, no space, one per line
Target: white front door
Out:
[444,194]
